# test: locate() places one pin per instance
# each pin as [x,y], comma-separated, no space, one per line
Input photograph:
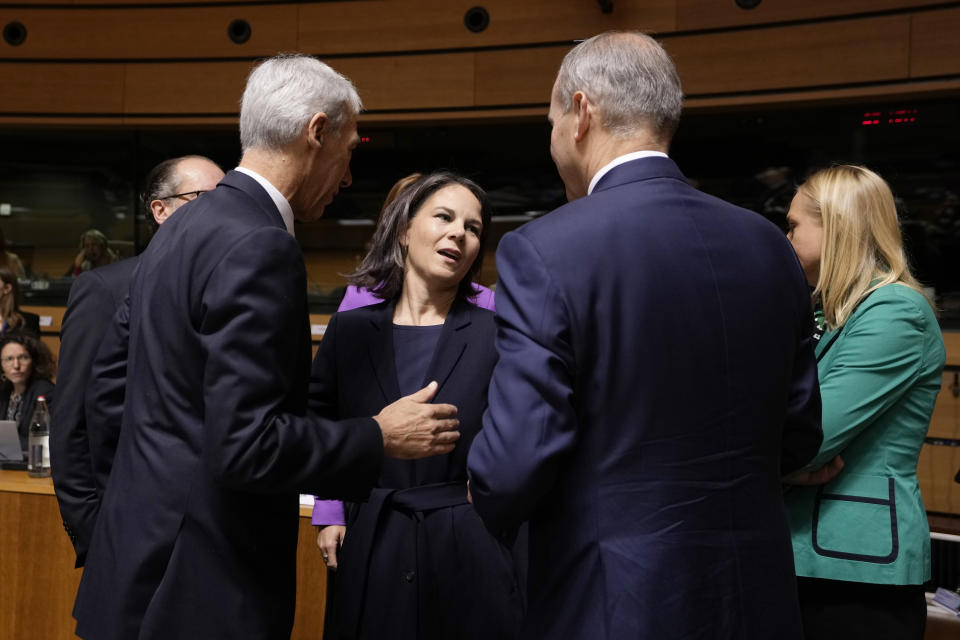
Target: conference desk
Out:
[38,580]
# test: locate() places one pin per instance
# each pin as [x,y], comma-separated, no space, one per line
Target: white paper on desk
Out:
[10,441]
[306,500]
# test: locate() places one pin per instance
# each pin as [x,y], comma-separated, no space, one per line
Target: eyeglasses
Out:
[23,358]
[195,194]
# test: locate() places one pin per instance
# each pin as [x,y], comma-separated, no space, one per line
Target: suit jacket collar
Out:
[252,188]
[448,353]
[637,170]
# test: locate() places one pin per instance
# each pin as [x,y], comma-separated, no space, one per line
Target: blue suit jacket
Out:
[197,531]
[656,378]
[94,298]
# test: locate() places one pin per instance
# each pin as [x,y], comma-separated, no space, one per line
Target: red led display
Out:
[891,116]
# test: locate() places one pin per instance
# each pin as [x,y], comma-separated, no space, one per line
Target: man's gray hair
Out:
[630,78]
[284,92]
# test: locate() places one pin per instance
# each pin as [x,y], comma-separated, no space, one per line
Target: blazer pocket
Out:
[857,520]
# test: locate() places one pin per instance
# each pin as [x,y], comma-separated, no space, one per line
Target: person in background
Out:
[175,182]
[12,317]
[655,380]
[330,512]
[416,561]
[94,297]
[28,370]
[10,260]
[861,542]
[95,252]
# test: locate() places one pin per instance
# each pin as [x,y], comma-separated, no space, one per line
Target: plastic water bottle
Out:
[38,441]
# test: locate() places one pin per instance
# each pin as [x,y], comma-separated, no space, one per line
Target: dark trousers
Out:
[854,610]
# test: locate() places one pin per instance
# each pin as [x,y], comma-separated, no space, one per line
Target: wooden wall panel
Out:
[185,87]
[935,471]
[129,34]
[951,341]
[370,26]
[42,88]
[711,14]
[412,82]
[517,77]
[324,267]
[385,45]
[865,50]
[399,25]
[945,422]
[935,38]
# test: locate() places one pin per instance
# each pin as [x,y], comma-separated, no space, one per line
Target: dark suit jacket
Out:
[354,374]
[207,362]
[36,388]
[656,378]
[464,584]
[94,298]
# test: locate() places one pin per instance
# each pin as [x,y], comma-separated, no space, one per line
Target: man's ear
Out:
[584,111]
[316,129]
[159,211]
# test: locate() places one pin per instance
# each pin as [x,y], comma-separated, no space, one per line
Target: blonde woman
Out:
[861,541]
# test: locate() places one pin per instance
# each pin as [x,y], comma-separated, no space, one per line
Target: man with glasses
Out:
[175,182]
[80,476]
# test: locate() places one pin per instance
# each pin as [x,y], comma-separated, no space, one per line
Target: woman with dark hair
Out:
[27,373]
[360,296]
[416,561]
[12,318]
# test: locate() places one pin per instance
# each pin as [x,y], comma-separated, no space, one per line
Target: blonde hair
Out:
[862,247]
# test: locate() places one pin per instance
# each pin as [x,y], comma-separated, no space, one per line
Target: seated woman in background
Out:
[95,252]
[12,318]
[27,373]
[10,260]
[861,542]
[416,560]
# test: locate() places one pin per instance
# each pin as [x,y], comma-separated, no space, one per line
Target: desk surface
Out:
[20,482]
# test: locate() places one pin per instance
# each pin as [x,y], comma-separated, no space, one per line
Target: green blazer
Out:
[879,380]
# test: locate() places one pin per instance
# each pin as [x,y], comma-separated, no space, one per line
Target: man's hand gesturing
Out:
[413,428]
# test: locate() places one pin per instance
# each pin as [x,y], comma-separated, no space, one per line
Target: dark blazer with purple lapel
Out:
[417,562]
[206,369]
[656,379]
[94,298]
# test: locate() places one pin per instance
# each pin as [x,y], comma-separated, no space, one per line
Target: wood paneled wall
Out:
[164,61]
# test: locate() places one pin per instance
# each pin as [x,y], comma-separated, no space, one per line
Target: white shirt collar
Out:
[286,211]
[620,160]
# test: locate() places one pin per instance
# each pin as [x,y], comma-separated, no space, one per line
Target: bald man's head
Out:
[175,182]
